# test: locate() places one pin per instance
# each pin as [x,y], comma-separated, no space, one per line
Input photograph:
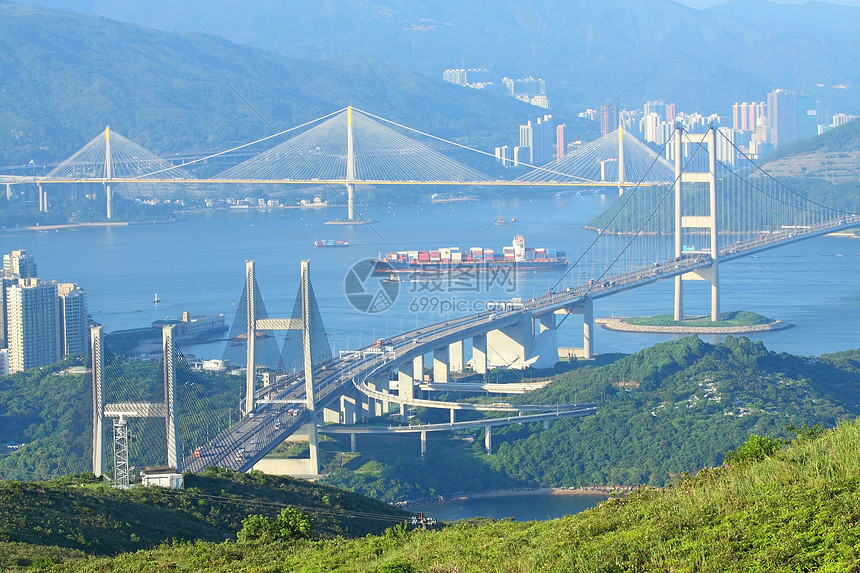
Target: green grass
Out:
[79,515]
[797,510]
[727,319]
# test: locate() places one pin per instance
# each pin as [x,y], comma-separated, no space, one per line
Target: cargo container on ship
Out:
[453,259]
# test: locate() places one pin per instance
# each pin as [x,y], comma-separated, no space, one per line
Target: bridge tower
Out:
[621,160]
[125,410]
[302,324]
[251,340]
[350,167]
[708,221]
[108,172]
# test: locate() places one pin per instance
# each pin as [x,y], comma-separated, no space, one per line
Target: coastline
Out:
[587,490]
[619,325]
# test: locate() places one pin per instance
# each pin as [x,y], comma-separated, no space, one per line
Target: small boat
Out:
[513,219]
[157,300]
[500,221]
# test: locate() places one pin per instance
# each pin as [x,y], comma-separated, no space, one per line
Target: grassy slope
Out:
[795,511]
[78,515]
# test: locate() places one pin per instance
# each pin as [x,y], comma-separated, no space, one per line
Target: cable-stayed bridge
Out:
[345,149]
[706,215]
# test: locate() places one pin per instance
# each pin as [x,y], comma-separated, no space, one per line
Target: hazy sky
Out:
[707,3]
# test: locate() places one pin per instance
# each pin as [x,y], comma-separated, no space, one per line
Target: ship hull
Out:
[424,267]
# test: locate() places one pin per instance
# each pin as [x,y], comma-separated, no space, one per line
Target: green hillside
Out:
[770,509]
[588,52]
[64,77]
[78,515]
[672,408]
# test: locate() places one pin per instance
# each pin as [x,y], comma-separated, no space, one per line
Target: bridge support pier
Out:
[380,384]
[440,365]
[453,415]
[479,354]
[488,439]
[423,443]
[588,329]
[8,191]
[455,356]
[352,443]
[405,384]
[348,409]
[511,346]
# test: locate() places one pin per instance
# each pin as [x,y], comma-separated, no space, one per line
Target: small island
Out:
[735,322]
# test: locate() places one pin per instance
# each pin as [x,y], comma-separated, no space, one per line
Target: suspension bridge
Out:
[341,151]
[682,230]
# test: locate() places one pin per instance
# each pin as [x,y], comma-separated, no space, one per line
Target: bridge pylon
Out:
[304,325]
[696,222]
[125,410]
[350,166]
[108,175]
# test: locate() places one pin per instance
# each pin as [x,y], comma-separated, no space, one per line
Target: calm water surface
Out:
[198,265]
[527,506]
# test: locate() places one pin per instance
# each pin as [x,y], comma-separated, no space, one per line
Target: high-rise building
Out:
[560,140]
[455,76]
[74,325]
[781,117]
[670,113]
[657,106]
[726,152]
[608,119]
[807,116]
[745,115]
[526,154]
[19,264]
[32,308]
[543,141]
[503,155]
[5,282]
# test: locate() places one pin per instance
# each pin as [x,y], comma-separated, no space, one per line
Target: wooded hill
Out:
[64,77]
[672,408]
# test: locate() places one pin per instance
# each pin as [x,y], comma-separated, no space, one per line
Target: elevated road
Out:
[280,413]
[584,409]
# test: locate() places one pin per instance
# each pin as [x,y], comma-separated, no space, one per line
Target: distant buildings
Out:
[781,117]
[608,118]
[530,90]
[42,320]
[540,142]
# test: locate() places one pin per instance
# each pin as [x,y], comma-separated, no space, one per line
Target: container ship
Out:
[330,243]
[445,259]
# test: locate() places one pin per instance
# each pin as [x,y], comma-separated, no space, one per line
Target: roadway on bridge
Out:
[258,436]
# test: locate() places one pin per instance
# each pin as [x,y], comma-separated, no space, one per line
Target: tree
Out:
[290,524]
